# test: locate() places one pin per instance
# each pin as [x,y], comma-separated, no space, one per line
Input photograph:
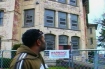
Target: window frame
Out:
[1,17]
[33,22]
[71,23]
[63,43]
[48,41]
[61,26]
[72,4]
[73,42]
[91,31]
[48,24]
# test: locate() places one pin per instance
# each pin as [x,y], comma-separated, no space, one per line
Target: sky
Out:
[96,9]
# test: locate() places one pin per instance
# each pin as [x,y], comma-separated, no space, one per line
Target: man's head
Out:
[34,38]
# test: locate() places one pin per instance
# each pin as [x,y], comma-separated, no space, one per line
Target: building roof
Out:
[93,25]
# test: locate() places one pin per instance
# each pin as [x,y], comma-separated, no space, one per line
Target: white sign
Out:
[58,54]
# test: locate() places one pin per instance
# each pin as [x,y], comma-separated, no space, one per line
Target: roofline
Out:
[96,25]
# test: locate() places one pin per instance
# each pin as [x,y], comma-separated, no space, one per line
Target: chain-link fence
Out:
[78,59]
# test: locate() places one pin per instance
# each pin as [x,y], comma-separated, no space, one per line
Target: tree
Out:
[101,37]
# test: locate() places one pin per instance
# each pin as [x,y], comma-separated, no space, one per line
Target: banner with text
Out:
[58,54]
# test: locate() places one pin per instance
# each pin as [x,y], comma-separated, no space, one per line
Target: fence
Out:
[78,59]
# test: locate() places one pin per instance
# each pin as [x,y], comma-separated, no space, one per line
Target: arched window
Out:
[50,41]
[63,40]
[75,42]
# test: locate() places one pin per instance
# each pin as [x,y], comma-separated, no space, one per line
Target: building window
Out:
[50,41]
[1,17]
[74,22]
[62,1]
[62,19]
[63,40]
[29,18]
[75,42]
[90,30]
[73,2]
[49,18]
[91,41]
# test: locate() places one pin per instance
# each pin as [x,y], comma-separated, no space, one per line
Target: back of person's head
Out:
[31,36]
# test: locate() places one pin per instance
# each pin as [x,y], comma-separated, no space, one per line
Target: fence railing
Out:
[78,59]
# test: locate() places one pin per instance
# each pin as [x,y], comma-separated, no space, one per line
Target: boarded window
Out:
[62,19]
[50,41]
[29,18]
[73,2]
[74,22]
[62,1]
[1,17]
[63,40]
[49,18]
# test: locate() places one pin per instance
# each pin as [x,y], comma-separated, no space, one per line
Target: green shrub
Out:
[15,47]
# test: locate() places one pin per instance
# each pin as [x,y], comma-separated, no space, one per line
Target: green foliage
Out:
[15,47]
[101,38]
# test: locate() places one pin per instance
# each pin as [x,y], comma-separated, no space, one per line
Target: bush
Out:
[15,47]
[5,62]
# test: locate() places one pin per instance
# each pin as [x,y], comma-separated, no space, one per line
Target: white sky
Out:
[96,8]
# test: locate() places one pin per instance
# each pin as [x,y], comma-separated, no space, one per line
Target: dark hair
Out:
[31,36]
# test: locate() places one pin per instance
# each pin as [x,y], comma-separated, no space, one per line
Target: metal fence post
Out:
[95,60]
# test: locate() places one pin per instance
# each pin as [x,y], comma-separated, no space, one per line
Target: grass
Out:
[57,68]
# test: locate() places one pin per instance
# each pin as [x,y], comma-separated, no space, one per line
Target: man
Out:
[28,56]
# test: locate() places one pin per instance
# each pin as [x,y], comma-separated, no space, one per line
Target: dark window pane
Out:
[74,25]
[49,17]
[75,42]
[63,23]
[49,21]
[91,41]
[74,22]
